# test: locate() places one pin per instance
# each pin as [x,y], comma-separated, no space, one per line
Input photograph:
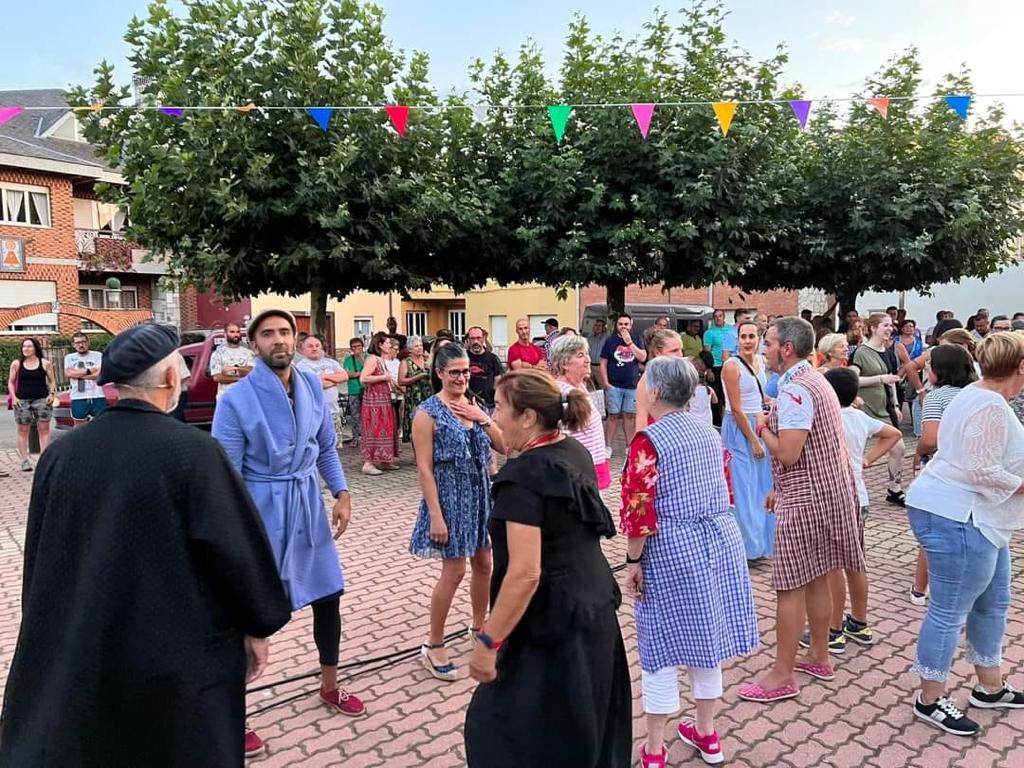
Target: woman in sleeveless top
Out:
[452,440]
[414,375]
[378,442]
[31,385]
[743,378]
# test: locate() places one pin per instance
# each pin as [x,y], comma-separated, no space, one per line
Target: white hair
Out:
[154,376]
[673,378]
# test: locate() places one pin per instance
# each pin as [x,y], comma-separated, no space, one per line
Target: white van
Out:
[644,315]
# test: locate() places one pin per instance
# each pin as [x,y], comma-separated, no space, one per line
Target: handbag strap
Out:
[757,380]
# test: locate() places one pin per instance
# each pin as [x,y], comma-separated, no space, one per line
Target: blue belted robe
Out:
[279,451]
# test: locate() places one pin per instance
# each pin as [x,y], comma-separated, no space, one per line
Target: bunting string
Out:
[558,114]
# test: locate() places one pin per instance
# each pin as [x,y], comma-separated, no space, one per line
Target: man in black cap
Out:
[145,605]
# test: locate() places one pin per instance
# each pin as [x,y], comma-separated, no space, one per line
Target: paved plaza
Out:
[863,718]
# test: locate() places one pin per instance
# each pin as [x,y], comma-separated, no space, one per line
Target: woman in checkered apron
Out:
[686,566]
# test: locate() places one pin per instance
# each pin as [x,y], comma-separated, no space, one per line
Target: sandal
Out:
[445,672]
[820,671]
[757,692]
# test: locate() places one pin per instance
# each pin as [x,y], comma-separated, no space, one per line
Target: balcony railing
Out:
[103,250]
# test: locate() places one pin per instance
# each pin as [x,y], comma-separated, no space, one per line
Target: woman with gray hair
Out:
[570,359]
[685,564]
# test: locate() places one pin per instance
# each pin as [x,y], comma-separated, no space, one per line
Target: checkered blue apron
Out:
[698,608]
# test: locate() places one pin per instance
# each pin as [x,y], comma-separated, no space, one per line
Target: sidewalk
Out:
[863,718]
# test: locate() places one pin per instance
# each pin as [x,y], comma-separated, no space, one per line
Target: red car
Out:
[197,401]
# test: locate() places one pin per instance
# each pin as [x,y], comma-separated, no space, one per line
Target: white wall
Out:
[1002,294]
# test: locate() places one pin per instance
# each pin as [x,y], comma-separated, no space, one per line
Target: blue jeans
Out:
[618,401]
[970,583]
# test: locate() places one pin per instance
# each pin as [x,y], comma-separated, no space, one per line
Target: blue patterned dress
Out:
[462,459]
[697,608]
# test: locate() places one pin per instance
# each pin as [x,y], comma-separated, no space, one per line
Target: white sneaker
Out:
[369,469]
[609,450]
[918,598]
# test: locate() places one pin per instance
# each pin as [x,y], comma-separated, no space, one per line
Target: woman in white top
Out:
[963,508]
[744,379]
[394,366]
[570,360]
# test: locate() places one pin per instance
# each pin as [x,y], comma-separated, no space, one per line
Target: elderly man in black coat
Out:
[149,587]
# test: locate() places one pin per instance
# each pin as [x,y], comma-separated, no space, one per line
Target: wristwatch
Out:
[489,642]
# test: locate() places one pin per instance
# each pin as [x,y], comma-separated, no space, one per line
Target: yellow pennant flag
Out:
[724,111]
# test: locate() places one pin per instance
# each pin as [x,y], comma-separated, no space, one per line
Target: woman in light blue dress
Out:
[452,439]
[744,380]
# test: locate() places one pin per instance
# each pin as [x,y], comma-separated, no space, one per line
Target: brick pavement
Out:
[861,719]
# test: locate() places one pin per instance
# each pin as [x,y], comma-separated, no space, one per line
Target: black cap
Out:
[255,322]
[135,350]
[551,321]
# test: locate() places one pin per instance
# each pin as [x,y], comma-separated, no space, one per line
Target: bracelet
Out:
[761,428]
[633,561]
[486,424]
[489,642]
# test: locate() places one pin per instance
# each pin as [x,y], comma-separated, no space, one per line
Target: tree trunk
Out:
[616,298]
[318,309]
[847,298]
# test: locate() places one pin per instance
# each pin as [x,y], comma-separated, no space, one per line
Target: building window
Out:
[95,297]
[457,322]
[415,323]
[499,330]
[26,206]
[364,329]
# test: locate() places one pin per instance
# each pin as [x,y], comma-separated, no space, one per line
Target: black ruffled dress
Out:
[562,696]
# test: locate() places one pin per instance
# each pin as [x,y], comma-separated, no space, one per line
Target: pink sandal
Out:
[820,671]
[757,692]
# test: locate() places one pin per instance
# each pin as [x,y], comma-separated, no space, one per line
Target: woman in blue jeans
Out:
[963,509]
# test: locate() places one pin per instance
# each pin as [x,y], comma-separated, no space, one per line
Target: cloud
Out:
[839,19]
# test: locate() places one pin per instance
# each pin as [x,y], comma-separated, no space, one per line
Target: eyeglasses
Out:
[462,373]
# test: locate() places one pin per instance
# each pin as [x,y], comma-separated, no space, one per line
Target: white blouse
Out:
[978,467]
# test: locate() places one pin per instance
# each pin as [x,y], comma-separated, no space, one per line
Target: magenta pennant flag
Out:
[643,114]
[399,116]
[172,111]
[801,109]
[9,113]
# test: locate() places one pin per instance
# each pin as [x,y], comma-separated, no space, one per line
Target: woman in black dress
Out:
[555,685]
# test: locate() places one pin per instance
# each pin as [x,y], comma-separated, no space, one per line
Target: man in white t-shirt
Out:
[330,372]
[82,367]
[231,361]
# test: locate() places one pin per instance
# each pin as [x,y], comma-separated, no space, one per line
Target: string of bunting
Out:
[558,114]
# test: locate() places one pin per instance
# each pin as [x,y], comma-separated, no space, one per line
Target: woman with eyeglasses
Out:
[452,438]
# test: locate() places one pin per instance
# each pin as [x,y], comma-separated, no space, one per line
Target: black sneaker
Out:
[836,641]
[896,497]
[944,714]
[1005,698]
[857,631]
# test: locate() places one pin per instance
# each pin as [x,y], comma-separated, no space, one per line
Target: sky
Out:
[833,45]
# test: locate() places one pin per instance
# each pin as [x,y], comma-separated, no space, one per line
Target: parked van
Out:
[644,316]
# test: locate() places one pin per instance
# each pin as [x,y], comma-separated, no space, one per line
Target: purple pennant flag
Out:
[172,111]
[801,109]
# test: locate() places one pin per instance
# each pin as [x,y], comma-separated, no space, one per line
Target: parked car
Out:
[644,315]
[197,401]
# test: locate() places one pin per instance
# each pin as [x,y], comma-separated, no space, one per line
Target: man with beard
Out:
[279,433]
[484,366]
[143,604]
[231,361]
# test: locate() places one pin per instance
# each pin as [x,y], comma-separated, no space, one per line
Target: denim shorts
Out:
[620,401]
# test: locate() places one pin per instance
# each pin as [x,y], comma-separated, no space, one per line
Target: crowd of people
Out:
[743,443]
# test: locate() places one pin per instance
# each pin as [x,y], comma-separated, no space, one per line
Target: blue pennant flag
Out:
[322,115]
[959,104]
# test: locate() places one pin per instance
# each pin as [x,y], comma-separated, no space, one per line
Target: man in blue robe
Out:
[278,432]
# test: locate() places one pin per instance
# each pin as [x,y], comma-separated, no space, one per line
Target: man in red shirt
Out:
[524,354]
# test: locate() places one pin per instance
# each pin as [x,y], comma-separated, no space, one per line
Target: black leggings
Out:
[327,629]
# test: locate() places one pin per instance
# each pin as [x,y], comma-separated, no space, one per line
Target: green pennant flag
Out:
[559,114]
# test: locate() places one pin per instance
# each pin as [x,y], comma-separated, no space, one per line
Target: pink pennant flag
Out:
[9,113]
[882,105]
[643,114]
[399,118]
[801,109]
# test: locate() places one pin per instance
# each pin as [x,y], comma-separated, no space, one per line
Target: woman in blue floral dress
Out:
[452,439]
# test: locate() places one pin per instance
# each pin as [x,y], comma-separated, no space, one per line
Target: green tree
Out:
[686,206]
[900,203]
[266,201]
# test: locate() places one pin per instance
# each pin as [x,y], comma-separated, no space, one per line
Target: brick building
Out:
[59,245]
[719,296]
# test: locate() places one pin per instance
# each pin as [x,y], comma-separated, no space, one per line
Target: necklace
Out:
[540,440]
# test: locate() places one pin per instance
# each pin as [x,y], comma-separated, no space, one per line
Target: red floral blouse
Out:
[638,515]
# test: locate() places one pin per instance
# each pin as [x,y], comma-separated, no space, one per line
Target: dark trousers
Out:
[718,408]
